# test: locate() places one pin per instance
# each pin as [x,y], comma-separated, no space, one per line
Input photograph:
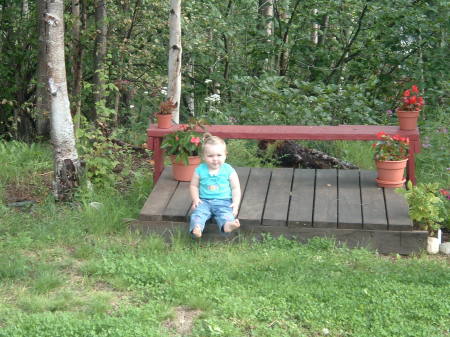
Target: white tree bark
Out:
[66,162]
[175,51]
[315,29]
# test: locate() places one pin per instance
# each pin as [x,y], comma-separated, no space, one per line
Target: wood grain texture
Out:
[252,206]
[302,199]
[349,199]
[278,195]
[325,201]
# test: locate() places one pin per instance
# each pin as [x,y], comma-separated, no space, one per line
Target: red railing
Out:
[288,132]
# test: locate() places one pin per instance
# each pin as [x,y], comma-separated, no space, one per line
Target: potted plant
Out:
[164,115]
[183,147]
[391,155]
[408,112]
[427,209]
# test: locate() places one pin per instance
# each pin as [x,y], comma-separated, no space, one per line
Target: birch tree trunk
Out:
[315,28]
[42,99]
[66,162]
[175,51]
[100,53]
[266,14]
[285,18]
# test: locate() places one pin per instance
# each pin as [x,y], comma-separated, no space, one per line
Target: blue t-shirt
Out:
[214,186]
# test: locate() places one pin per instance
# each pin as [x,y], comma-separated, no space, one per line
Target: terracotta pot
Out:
[164,121]
[183,172]
[407,119]
[390,173]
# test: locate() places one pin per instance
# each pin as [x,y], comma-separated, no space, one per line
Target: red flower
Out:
[406,93]
[420,101]
[380,134]
[413,100]
[415,89]
[443,192]
[195,140]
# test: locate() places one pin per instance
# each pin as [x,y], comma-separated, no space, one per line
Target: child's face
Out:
[214,155]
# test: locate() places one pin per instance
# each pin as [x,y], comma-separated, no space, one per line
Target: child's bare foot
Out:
[197,232]
[231,226]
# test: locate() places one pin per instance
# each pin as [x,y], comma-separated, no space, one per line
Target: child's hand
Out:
[235,208]
[195,203]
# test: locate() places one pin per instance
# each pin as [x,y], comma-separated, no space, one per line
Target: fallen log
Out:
[290,154]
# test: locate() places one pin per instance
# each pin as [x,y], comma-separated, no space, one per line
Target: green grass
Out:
[73,270]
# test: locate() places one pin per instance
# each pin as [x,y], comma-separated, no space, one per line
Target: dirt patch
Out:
[183,321]
[35,188]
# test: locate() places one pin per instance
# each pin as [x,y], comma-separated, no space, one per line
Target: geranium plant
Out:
[183,143]
[411,101]
[166,107]
[390,148]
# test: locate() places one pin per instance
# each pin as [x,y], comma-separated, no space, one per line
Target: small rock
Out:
[444,248]
[23,203]
[96,205]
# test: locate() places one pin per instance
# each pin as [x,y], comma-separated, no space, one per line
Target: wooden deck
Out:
[300,204]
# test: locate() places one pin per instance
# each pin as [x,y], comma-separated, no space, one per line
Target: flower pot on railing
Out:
[391,173]
[182,171]
[408,112]
[164,121]
[407,119]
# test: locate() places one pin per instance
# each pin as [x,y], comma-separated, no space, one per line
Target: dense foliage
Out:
[326,62]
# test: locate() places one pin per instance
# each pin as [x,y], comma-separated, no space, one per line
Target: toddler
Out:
[215,189]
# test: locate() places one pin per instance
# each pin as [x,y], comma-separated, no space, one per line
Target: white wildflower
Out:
[213,98]
[164,91]
[145,92]
[131,106]
[208,81]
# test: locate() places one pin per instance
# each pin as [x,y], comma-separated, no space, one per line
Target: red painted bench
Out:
[288,132]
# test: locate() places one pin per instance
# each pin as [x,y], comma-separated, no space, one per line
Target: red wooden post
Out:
[414,147]
[158,158]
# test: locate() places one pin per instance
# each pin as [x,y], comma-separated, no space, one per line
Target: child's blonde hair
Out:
[209,139]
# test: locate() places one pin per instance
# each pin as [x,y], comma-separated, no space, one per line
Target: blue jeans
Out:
[218,208]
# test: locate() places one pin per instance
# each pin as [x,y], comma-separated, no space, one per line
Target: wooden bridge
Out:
[299,204]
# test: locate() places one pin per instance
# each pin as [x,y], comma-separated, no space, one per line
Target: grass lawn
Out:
[75,270]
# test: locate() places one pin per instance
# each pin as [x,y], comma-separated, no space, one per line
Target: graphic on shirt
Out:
[213,187]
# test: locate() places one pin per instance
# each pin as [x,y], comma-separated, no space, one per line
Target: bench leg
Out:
[411,164]
[158,159]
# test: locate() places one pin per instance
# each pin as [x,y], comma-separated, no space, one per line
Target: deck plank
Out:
[160,196]
[325,203]
[349,200]
[252,206]
[302,199]
[179,204]
[397,211]
[277,203]
[243,173]
[373,208]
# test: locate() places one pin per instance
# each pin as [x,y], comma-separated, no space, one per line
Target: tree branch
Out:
[349,45]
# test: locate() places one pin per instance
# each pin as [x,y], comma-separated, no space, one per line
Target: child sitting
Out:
[215,189]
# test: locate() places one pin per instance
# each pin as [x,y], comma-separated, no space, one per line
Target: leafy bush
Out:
[273,100]
[426,206]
